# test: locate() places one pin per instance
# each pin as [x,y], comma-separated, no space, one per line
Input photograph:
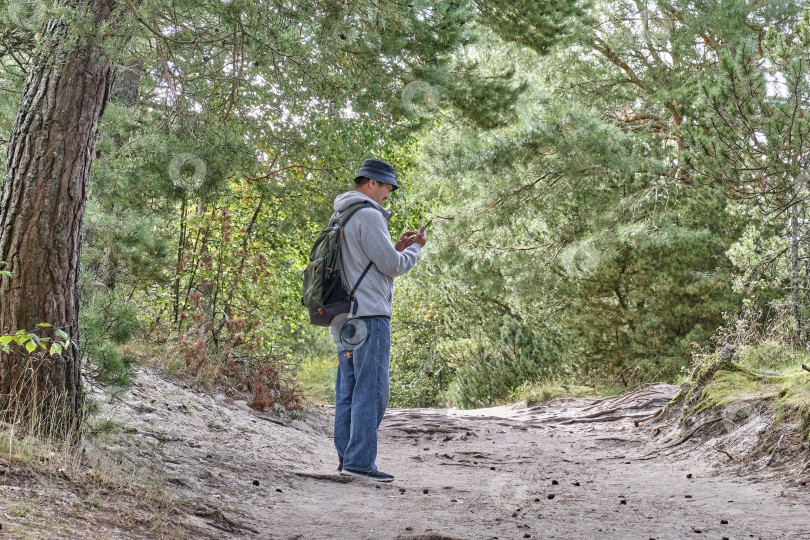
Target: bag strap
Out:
[349,212]
[351,294]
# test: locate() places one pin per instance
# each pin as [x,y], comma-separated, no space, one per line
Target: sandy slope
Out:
[570,469]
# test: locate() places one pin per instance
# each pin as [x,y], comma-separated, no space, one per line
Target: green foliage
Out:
[657,288]
[750,137]
[122,245]
[582,219]
[419,374]
[317,377]
[491,370]
[108,321]
[489,103]
[33,343]
[538,25]
[533,393]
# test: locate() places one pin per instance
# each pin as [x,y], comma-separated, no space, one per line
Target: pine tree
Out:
[43,200]
[584,219]
[752,139]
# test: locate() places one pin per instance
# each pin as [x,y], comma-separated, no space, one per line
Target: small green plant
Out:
[535,392]
[107,322]
[31,342]
[19,508]
[489,369]
[107,426]
[93,500]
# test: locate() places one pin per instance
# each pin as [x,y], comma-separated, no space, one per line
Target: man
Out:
[364,340]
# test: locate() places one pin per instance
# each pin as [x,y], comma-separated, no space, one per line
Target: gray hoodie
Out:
[366,239]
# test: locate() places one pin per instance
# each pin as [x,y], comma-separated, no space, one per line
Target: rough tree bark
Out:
[50,150]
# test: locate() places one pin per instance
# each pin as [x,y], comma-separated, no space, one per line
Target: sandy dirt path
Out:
[569,469]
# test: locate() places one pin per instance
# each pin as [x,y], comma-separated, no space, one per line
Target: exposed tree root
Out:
[775,448]
[588,420]
[326,477]
[222,522]
[693,432]
[676,399]
[617,409]
[723,452]
[643,391]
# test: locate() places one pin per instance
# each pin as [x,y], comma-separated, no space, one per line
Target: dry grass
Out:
[43,472]
[267,382]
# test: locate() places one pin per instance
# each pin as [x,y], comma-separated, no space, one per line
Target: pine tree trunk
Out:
[50,150]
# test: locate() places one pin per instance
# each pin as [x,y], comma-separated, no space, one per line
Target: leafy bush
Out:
[108,321]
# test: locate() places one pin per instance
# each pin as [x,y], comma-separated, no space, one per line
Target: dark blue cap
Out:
[378,170]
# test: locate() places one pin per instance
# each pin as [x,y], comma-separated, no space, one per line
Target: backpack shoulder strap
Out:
[354,307]
[348,213]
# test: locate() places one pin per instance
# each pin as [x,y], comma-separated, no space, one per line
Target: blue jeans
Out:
[361,394]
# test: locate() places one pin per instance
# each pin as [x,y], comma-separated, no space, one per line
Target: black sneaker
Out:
[376,476]
[340,464]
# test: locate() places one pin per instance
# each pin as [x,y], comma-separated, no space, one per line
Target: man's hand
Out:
[421,236]
[405,240]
